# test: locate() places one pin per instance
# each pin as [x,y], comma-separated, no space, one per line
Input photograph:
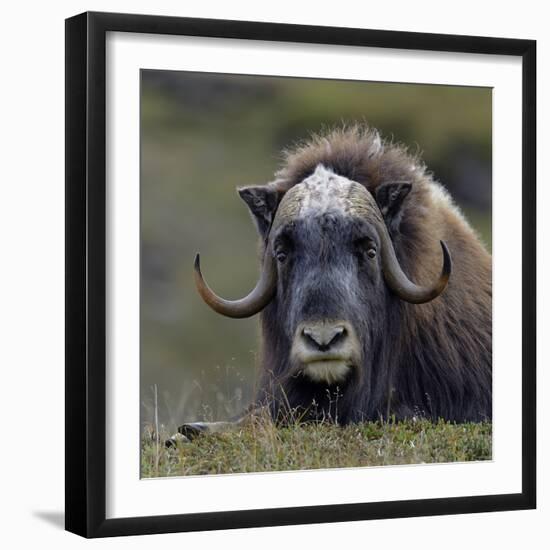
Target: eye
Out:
[363,246]
[284,244]
[281,255]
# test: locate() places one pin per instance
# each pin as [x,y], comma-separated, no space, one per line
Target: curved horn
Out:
[399,282]
[247,306]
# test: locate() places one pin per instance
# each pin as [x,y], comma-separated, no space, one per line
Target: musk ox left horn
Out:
[258,298]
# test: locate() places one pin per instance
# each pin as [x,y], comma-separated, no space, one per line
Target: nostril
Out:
[324,337]
[340,334]
[311,338]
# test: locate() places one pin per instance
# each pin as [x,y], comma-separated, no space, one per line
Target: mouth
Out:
[326,351]
[328,371]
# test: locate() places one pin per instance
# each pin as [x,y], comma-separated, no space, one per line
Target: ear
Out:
[390,197]
[262,200]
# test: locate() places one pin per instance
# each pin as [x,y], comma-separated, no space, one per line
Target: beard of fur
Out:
[289,394]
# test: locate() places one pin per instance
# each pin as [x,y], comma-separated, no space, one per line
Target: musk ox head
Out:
[328,270]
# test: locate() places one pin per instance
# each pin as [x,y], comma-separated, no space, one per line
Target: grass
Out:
[263,447]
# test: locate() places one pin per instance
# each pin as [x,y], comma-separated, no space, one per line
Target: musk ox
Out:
[357,301]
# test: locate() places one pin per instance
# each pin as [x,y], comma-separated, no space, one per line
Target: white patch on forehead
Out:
[324,191]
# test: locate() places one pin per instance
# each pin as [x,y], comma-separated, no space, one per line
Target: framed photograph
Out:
[300,274]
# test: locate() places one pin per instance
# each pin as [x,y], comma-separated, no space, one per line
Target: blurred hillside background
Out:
[202,135]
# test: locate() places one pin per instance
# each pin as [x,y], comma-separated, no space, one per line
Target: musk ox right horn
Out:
[249,305]
[400,284]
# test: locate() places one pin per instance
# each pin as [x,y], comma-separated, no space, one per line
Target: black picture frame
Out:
[86,274]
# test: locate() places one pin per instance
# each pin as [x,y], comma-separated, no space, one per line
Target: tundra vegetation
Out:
[263,447]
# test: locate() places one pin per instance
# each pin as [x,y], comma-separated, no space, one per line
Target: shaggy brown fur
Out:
[441,363]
